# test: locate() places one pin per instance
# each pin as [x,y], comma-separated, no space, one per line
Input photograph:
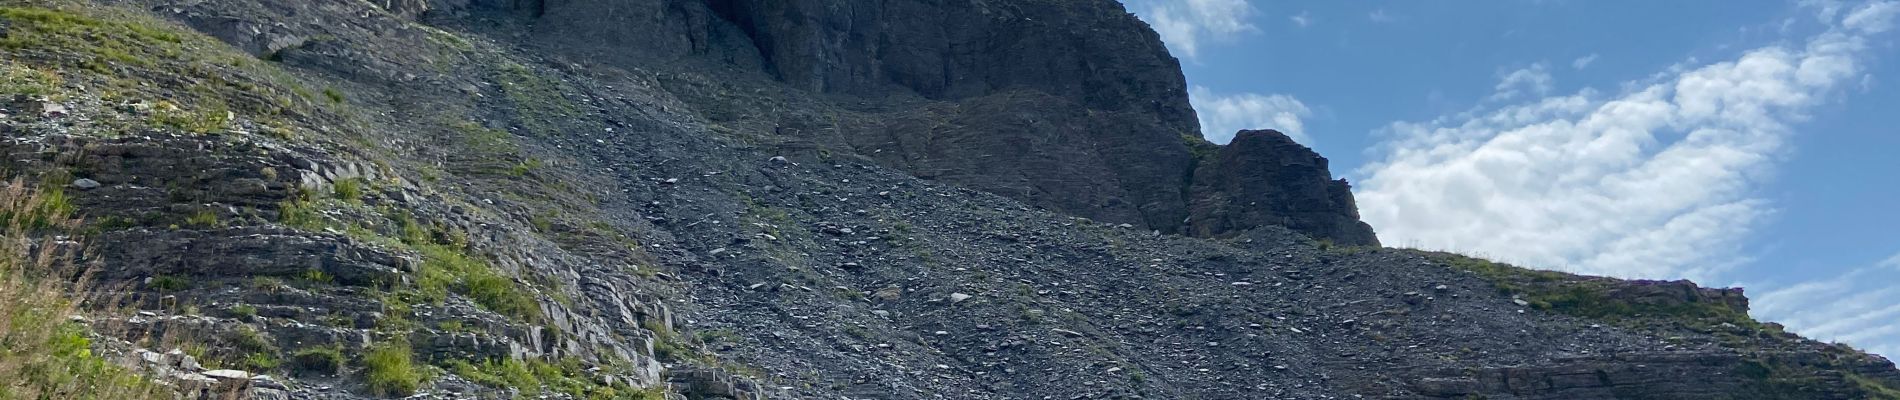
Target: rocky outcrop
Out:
[1074,106]
[1265,178]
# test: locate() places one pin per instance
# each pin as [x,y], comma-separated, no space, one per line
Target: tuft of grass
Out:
[390,369]
[204,219]
[300,213]
[335,97]
[168,283]
[317,360]
[565,376]
[21,80]
[244,311]
[43,355]
[314,275]
[261,361]
[31,210]
[447,270]
[212,118]
[348,189]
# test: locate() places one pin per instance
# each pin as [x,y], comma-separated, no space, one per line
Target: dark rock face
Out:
[1265,178]
[685,231]
[1073,106]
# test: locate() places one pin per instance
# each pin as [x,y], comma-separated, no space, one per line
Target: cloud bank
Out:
[1861,308]
[1185,24]
[1223,115]
[1651,181]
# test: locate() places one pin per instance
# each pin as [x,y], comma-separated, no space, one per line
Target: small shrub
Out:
[204,219]
[244,311]
[335,97]
[348,189]
[298,214]
[261,361]
[390,369]
[317,276]
[168,283]
[318,360]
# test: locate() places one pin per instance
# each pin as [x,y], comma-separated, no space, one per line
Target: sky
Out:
[1734,143]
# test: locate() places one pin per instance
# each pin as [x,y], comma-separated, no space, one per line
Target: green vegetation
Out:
[447,270]
[244,311]
[318,360]
[42,354]
[118,41]
[390,369]
[1200,148]
[125,50]
[211,118]
[314,275]
[537,99]
[261,362]
[1591,297]
[1875,389]
[204,219]
[168,283]
[30,210]
[333,95]
[567,376]
[18,79]
[348,189]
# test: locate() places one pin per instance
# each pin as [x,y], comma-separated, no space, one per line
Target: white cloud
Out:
[1583,62]
[1872,18]
[1223,115]
[1301,19]
[1860,308]
[1184,24]
[1381,16]
[1651,181]
[1534,79]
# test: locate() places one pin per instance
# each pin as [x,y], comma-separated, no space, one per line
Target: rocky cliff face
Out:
[748,200]
[1074,106]
[1265,178]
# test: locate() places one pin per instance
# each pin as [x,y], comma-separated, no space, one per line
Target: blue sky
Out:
[1749,143]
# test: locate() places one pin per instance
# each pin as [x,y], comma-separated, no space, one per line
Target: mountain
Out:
[739,199]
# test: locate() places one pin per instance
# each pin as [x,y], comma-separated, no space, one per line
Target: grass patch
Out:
[126,50]
[390,370]
[537,99]
[326,360]
[43,355]
[1591,297]
[348,189]
[447,270]
[566,376]
[210,118]
[20,80]
[204,219]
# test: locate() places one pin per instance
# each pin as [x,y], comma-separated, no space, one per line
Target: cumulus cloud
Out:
[1223,115]
[1860,308]
[1184,24]
[1653,180]
[1534,79]
[1583,62]
[1874,18]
